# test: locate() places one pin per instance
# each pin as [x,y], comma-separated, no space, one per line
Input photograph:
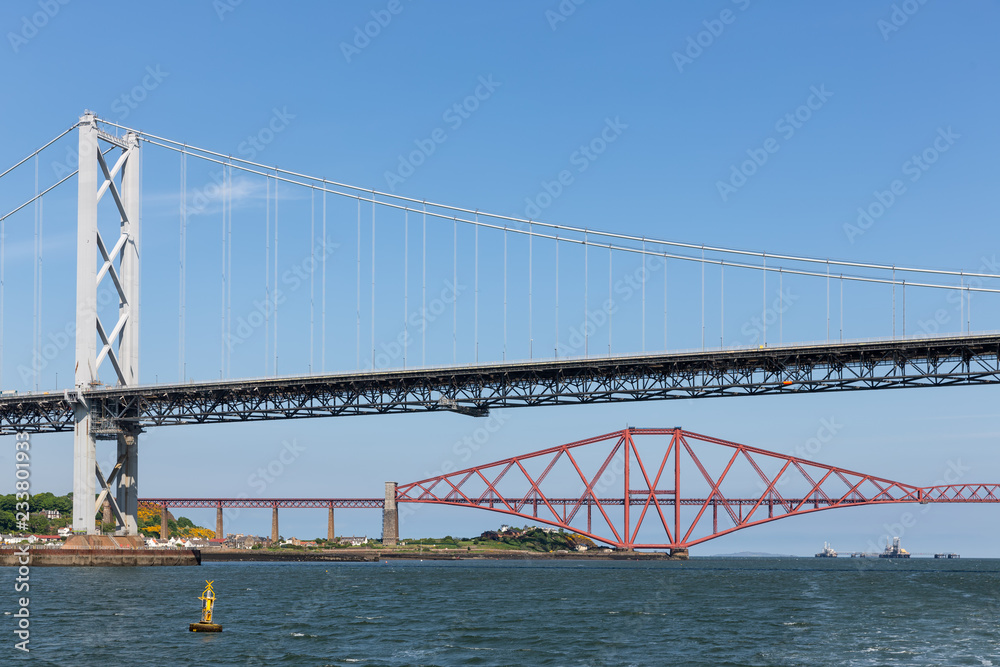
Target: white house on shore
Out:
[173,542]
[30,539]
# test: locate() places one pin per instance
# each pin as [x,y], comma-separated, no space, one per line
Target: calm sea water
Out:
[702,612]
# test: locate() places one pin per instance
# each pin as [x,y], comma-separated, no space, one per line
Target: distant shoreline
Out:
[376,555]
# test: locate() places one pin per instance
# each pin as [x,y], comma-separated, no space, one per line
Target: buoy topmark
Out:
[208,603]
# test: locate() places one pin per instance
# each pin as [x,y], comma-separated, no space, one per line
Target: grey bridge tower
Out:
[110,169]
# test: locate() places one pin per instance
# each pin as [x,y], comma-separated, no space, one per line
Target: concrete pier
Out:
[390,517]
[274,525]
[108,557]
[164,528]
[219,535]
[330,536]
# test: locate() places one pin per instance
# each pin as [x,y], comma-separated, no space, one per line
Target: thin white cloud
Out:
[207,198]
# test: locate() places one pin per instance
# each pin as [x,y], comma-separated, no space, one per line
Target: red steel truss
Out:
[268,503]
[630,483]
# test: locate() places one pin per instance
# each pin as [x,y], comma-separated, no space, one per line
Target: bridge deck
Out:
[527,505]
[790,369]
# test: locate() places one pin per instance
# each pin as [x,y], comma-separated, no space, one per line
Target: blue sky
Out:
[691,91]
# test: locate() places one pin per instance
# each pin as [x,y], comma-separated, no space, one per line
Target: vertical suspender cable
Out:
[138,245]
[664,303]
[267,274]
[275,276]
[423,292]
[326,251]
[504,352]
[611,307]
[357,332]
[454,286]
[904,308]
[41,250]
[476,287]
[586,295]
[312,276]
[894,302]
[961,301]
[224,274]
[722,303]
[182,261]
[531,336]
[763,312]
[827,300]
[222,282]
[406,282]
[644,277]
[229,279]
[373,281]
[34,293]
[229,274]
[841,307]
[781,309]
[703,297]
[556,348]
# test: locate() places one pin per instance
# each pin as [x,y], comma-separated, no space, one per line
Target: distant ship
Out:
[827,552]
[952,555]
[894,550]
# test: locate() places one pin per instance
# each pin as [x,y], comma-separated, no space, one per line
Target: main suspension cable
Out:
[173,145]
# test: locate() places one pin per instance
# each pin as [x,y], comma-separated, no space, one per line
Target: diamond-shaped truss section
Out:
[115,254]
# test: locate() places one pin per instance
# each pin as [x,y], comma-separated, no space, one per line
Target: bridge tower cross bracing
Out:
[119,346]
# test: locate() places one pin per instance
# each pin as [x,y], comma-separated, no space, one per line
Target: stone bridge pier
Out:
[390,517]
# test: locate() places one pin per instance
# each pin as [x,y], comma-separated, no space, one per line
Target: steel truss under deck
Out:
[266,503]
[927,362]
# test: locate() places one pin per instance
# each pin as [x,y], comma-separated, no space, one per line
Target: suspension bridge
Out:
[453,309]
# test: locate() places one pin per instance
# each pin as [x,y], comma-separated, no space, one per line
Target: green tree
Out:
[43,501]
[63,503]
[38,524]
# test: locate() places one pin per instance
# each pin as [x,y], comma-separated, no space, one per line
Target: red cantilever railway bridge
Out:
[643,488]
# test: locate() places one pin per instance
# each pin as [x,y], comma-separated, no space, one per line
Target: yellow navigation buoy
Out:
[207,604]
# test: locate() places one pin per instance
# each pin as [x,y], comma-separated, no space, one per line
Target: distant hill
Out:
[532,538]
